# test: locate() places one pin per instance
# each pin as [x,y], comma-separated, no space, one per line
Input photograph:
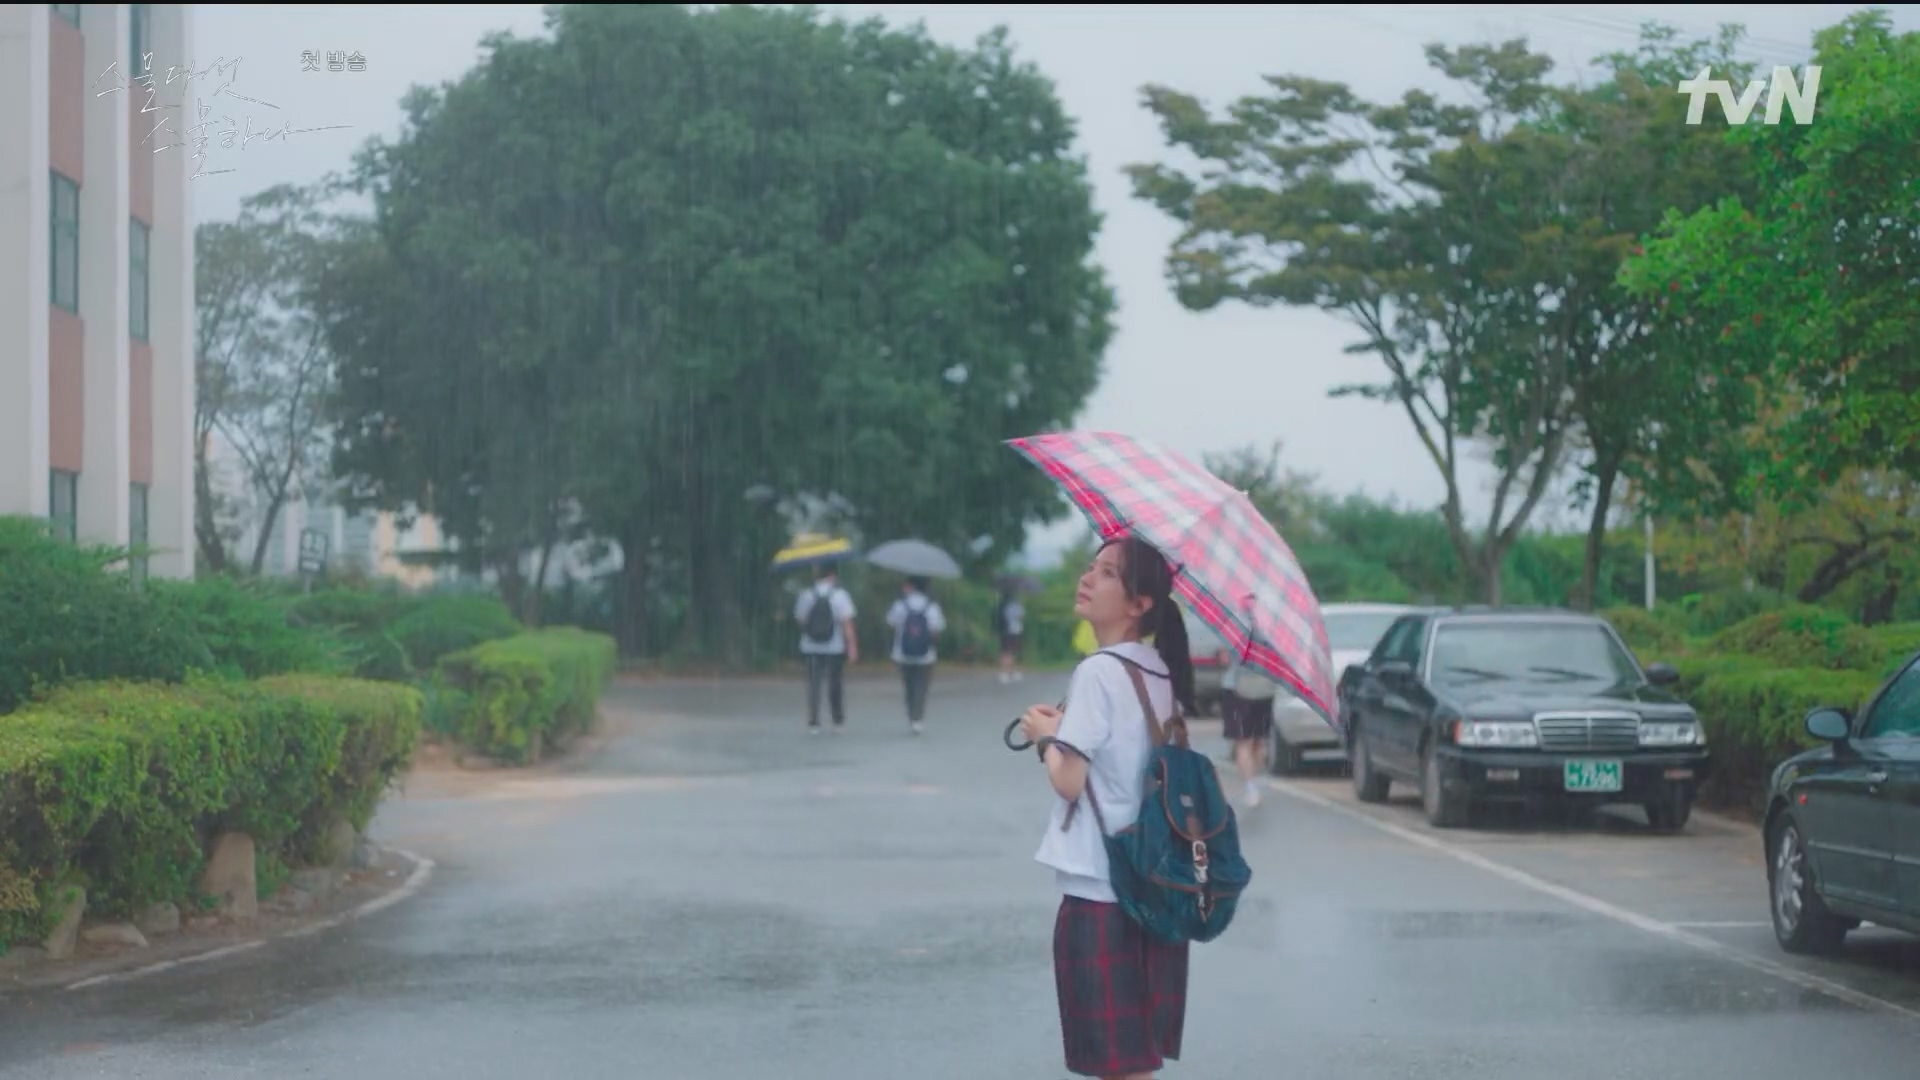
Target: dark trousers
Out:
[917,678]
[826,669]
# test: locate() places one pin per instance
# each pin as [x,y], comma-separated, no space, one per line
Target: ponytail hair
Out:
[1147,574]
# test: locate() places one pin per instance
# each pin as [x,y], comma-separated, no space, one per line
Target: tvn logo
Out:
[1786,93]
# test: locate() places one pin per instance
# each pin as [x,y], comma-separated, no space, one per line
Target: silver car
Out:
[1352,632]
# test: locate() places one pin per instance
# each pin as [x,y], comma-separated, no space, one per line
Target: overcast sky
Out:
[1197,382]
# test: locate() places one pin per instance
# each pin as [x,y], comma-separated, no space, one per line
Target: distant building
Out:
[96,278]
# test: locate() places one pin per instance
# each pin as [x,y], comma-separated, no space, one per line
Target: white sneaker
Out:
[1253,793]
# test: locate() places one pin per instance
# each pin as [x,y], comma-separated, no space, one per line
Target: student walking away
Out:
[916,620]
[1247,715]
[1010,621]
[1122,933]
[827,644]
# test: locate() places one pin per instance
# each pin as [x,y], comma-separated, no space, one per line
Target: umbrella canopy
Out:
[812,549]
[1230,566]
[914,558]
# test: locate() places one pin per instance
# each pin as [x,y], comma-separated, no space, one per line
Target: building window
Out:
[137,533]
[138,29]
[139,239]
[63,505]
[69,12]
[65,248]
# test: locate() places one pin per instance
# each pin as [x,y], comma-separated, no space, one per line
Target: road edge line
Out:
[417,880]
[1596,906]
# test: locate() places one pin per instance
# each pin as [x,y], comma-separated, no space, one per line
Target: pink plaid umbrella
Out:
[1230,566]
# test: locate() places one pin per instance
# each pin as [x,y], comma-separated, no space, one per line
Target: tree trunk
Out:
[1879,605]
[1492,561]
[274,507]
[630,618]
[206,528]
[537,592]
[1605,475]
[1833,572]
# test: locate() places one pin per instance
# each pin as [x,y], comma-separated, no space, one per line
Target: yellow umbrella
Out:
[811,549]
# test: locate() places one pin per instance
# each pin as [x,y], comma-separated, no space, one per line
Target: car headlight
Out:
[1502,733]
[1685,733]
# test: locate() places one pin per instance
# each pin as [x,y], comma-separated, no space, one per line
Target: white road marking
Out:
[417,880]
[1673,932]
[1722,925]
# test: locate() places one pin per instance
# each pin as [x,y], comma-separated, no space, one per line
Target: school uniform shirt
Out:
[1015,615]
[897,618]
[1104,722]
[1248,683]
[842,612]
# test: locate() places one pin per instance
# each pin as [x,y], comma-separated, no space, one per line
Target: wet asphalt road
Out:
[718,896]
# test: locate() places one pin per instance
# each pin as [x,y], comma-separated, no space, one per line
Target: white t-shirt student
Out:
[1103,721]
[832,593]
[897,618]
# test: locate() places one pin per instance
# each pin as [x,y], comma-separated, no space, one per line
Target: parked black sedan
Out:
[1843,822]
[1484,704]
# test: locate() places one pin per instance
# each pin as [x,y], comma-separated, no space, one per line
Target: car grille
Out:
[1598,732]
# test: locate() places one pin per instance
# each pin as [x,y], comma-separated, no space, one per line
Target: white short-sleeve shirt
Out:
[1104,722]
[897,618]
[842,612]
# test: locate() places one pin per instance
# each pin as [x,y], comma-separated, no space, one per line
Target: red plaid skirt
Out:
[1123,995]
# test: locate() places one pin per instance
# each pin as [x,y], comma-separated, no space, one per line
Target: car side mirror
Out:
[1829,724]
[1662,674]
[1393,667]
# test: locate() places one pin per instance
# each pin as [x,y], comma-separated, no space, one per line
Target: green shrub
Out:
[64,617]
[1754,714]
[1650,637]
[362,619]
[248,630]
[1803,636]
[1898,642]
[120,786]
[439,625]
[529,691]
[1710,613]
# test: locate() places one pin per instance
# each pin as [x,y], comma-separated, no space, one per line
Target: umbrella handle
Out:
[1007,737]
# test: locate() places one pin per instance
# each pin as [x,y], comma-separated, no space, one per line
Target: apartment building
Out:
[96,275]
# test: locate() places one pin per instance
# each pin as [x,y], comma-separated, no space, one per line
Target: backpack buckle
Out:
[1200,862]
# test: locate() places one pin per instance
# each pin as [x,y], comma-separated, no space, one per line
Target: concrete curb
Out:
[417,880]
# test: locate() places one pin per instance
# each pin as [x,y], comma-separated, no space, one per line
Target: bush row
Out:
[119,787]
[512,697]
[1754,681]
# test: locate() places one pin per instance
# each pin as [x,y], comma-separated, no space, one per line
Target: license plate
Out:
[1593,776]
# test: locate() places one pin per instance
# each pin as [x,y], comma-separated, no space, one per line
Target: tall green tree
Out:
[1475,246]
[1424,225]
[708,263]
[263,372]
[1811,274]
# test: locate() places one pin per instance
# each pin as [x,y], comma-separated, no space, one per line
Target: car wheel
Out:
[1801,921]
[1283,758]
[1368,785]
[1669,815]
[1444,810]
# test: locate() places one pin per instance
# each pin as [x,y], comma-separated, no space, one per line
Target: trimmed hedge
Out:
[513,697]
[1754,681]
[119,787]
[1754,713]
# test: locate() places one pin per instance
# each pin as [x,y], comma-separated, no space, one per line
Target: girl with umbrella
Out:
[1122,995]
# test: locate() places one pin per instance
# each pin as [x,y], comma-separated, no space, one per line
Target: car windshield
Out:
[1544,652]
[1356,631]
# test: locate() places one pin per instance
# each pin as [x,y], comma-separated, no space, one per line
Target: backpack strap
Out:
[1175,728]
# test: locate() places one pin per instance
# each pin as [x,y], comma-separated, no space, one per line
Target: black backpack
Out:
[916,634]
[820,622]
